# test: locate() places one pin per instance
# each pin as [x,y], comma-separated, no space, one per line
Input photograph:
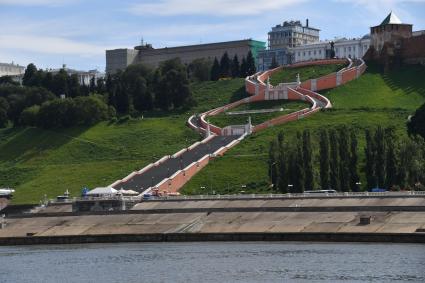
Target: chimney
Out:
[306,23]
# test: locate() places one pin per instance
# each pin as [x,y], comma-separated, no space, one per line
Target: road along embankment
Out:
[313,219]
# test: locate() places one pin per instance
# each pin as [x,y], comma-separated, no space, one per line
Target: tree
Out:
[282,179]
[272,164]
[324,160]
[4,108]
[391,160]
[244,68]
[122,99]
[308,160]
[215,70]
[274,63]
[173,86]
[354,175]
[73,86]
[299,179]
[416,125]
[142,97]
[370,153]
[92,85]
[200,70]
[380,157]
[30,72]
[29,117]
[225,66]
[334,160]
[250,64]
[60,83]
[235,67]
[344,173]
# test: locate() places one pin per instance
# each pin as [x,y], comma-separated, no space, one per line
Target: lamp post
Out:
[271,174]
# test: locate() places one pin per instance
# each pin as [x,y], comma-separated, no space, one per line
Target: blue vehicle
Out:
[378,190]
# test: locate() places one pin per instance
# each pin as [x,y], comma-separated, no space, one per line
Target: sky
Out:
[49,33]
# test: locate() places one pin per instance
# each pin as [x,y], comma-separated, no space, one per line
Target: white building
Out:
[7,69]
[84,77]
[352,48]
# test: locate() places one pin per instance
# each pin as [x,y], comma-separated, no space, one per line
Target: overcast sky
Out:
[77,32]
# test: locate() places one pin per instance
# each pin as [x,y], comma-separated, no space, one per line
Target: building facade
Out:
[265,58]
[84,77]
[119,59]
[291,34]
[351,48]
[12,70]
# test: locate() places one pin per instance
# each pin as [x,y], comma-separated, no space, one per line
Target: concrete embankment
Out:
[366,219]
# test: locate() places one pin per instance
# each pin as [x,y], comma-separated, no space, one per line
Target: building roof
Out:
[391,19]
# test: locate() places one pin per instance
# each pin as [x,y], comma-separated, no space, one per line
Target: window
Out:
[320,52]
[309,53]
[314,52]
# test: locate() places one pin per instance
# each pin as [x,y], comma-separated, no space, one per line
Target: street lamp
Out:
[271,173]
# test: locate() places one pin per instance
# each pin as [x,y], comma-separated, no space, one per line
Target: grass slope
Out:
[374,99]
[37,162]
[223,119]
[306,73]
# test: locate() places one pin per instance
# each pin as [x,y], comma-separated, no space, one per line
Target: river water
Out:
[214,262]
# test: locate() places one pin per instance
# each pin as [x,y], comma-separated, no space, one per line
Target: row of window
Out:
[9,69]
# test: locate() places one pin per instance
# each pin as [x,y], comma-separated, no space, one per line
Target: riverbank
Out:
[326,219]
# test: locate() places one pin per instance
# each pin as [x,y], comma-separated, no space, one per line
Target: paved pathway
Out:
[166,169]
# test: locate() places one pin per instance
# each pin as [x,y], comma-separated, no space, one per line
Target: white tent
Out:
[102,191]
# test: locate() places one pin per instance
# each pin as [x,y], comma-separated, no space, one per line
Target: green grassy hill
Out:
[306,73]
[37,162]
[374,99]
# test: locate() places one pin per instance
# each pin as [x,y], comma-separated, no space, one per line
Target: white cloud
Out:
[49,45]
[210,7]
[380,7]
[36,2]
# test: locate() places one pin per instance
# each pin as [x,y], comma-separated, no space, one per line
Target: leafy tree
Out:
[73,86]
[7,80]
[370,153]
[122,99]
[200,70]
[92,85]
[380,156]
[334,160]
[29,116]
[100,86]
[416,125]
[250,63]
[60,83]
[235,67]
[244,68]
[308,160]
[29,75]
[391,161]
[272,163]
[324,160]
[344,173]
[282,179]
[4,108]
[225,66]
[354,175]
[299,180]
[90,110]
[142,97]
[215,70]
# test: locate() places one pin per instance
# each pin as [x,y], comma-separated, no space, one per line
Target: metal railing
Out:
[290,195]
